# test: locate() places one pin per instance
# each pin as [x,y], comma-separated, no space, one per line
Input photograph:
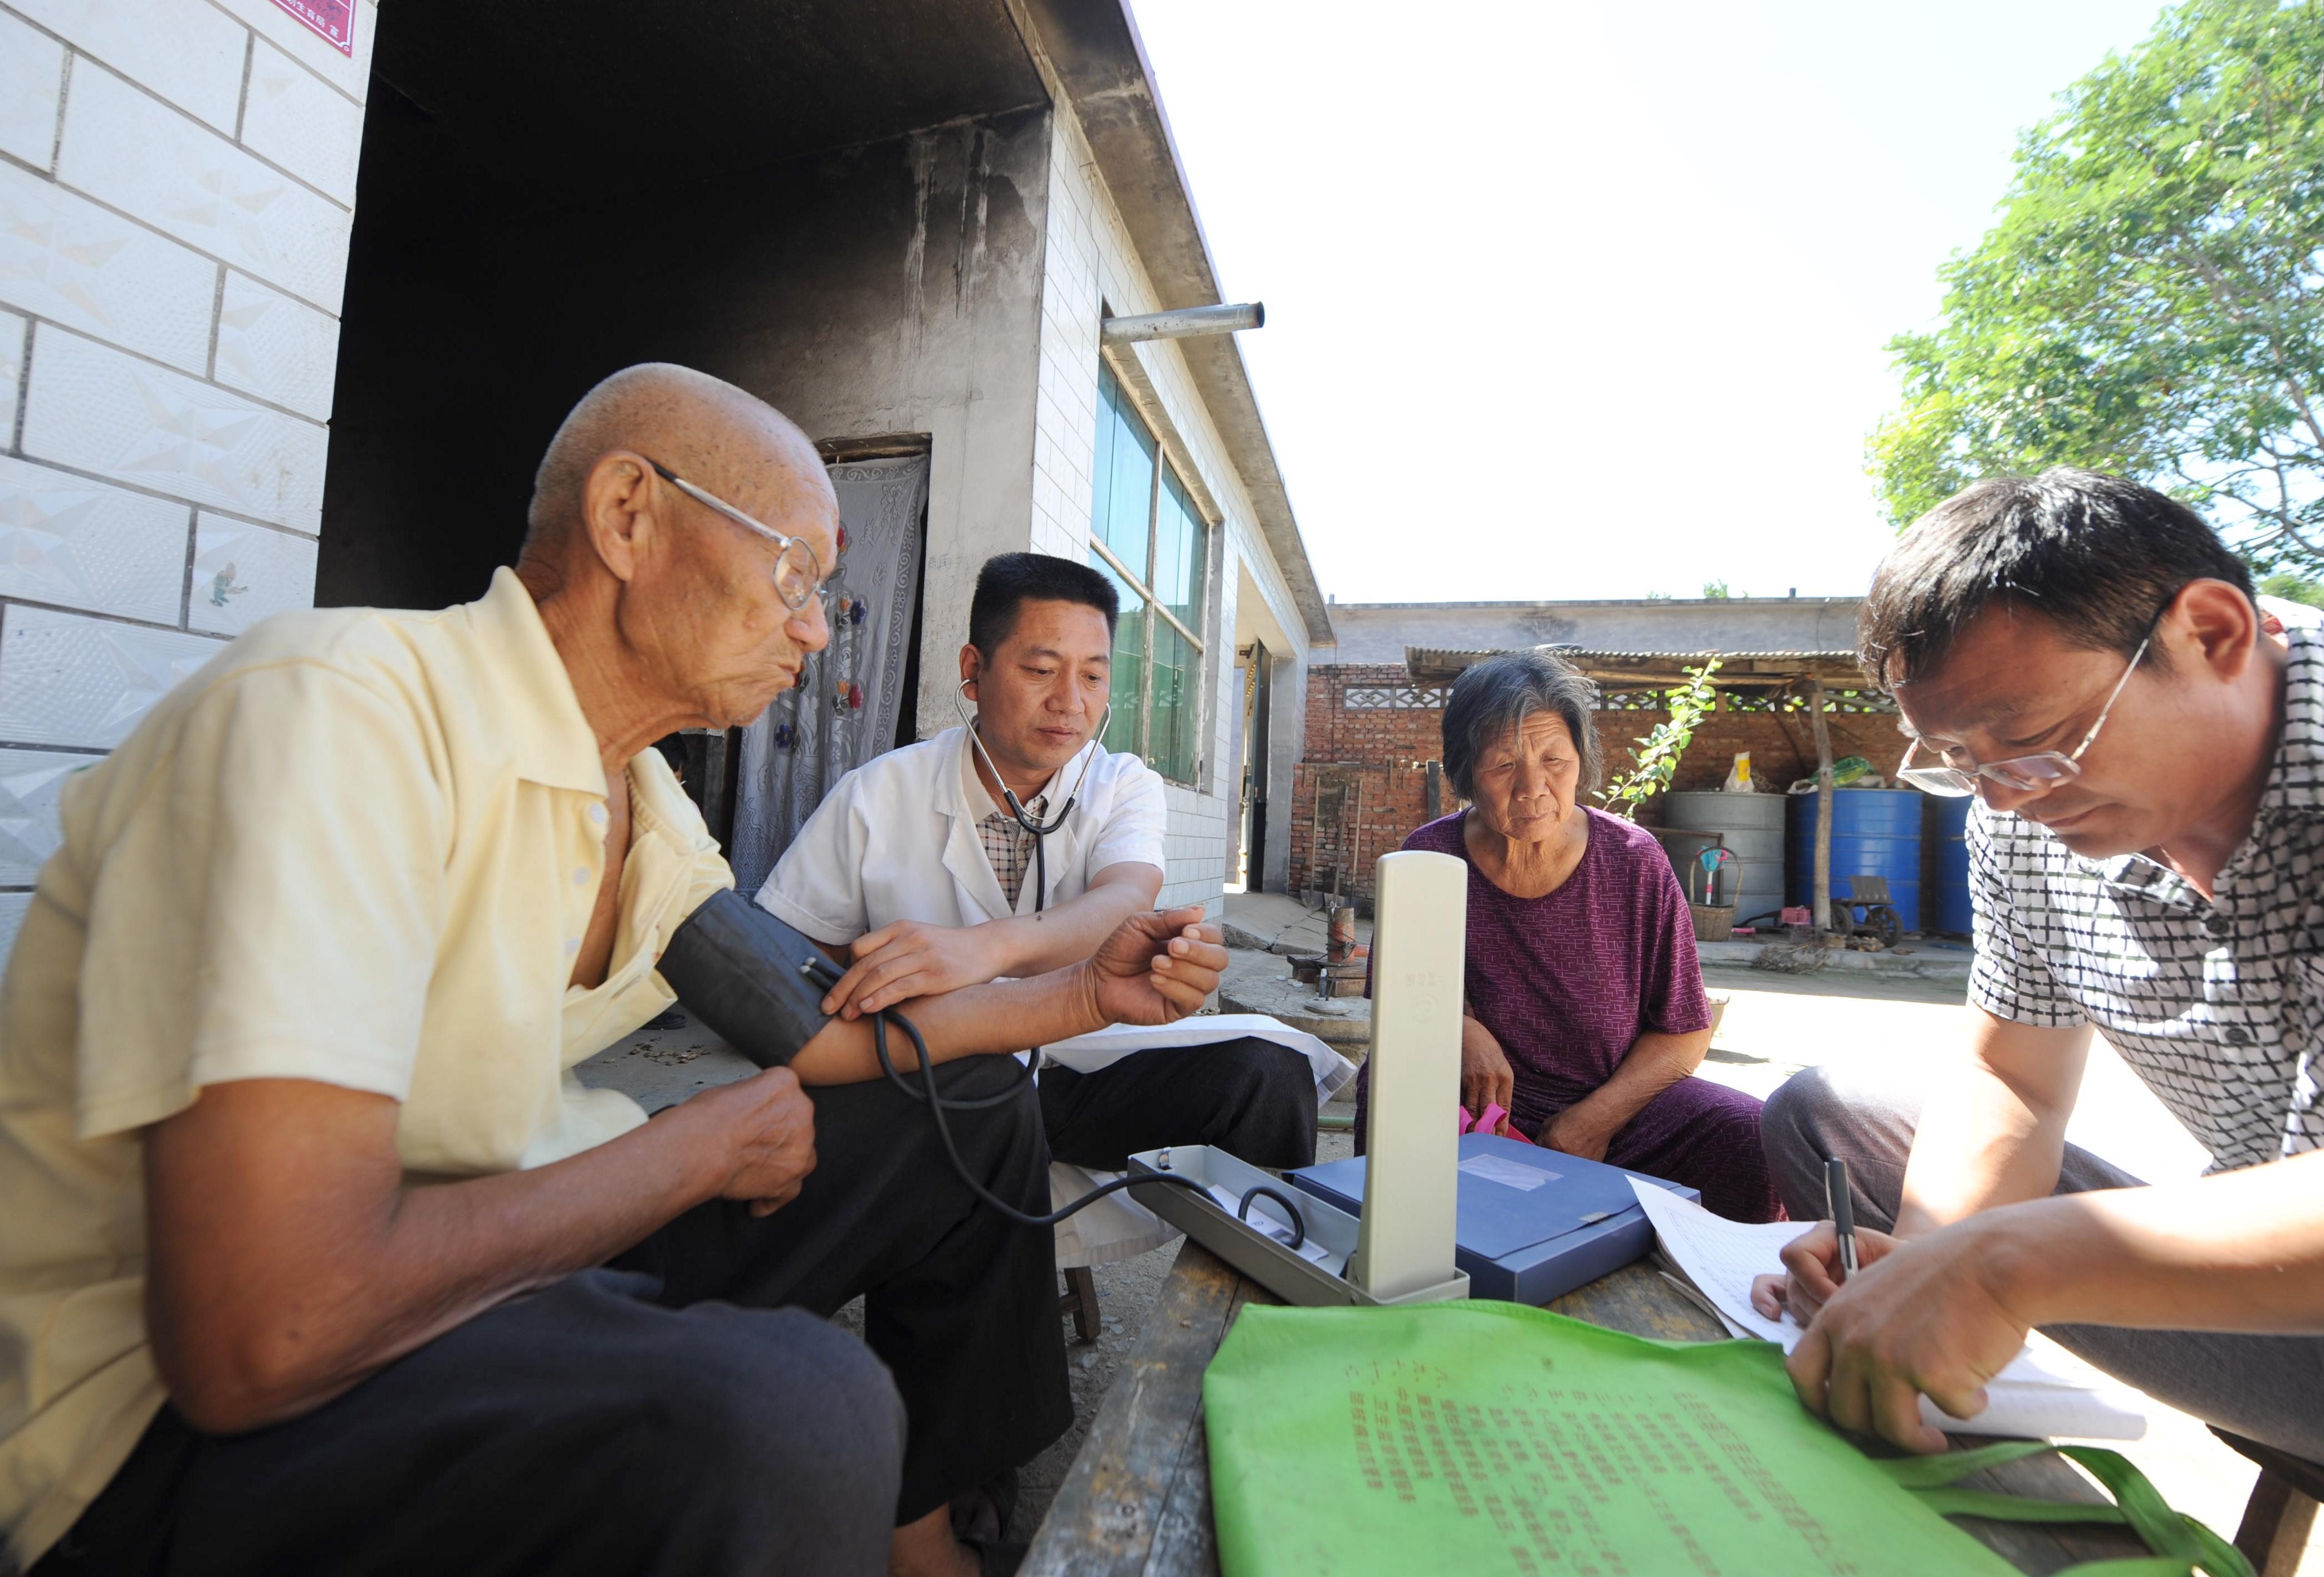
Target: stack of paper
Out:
[2045,1390]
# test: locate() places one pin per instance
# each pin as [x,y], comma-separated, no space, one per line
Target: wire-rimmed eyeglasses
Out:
[797,576]
[2042,770]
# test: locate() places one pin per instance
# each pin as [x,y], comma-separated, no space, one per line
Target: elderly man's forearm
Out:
[1002,1017]
[2243,1251]
[256,1329]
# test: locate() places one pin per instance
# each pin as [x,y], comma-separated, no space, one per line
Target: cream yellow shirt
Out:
[359,846]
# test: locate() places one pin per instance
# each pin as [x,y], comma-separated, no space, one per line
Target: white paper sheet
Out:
[2045,1390]
[1508,1173]
[1102,1049]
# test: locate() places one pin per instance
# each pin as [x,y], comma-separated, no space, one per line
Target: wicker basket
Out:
[1712,922]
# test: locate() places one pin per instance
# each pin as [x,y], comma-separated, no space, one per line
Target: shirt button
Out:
[581,876]
[2217,926]
[598,813]
[2235,1035]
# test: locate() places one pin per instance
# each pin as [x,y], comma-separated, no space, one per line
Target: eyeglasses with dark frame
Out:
[2041,771]
[797,576]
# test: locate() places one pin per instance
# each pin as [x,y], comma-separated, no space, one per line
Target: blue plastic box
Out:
[1525,1245]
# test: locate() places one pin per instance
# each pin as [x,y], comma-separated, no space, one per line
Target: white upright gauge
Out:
[1404,1252]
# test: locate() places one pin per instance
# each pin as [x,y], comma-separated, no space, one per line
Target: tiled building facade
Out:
[177,186]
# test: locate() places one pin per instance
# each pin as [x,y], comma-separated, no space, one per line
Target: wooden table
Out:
[1136,1502]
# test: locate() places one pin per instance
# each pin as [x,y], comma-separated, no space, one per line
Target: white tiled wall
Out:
[1091,264]
[177,182]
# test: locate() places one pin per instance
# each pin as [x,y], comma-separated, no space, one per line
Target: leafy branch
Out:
[1659,750]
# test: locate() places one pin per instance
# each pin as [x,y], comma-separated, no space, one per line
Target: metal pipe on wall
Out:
[1183,324]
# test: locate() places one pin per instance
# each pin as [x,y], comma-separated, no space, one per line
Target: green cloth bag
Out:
[1487,1437]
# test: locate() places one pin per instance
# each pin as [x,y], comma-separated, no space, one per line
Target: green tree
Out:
[2293,588]
[1716,590]
[2152,299]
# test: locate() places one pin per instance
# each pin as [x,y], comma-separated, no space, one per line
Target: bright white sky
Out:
[1573,300]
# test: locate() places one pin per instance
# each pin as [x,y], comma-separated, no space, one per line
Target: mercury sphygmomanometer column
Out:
[1403,1249]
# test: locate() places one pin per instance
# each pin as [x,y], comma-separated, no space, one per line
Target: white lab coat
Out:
[895,840]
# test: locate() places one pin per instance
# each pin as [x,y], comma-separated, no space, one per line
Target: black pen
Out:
[1843,1213]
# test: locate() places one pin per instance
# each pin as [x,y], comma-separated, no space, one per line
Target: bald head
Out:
[702,427]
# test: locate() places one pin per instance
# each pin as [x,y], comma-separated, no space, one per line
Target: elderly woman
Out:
[1584,1014]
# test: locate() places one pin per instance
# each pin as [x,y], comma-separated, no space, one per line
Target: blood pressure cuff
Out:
[753,981]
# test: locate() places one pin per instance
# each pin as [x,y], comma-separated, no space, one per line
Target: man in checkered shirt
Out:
[2148,860]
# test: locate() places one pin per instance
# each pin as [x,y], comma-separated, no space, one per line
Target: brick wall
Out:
[1372,735]
[177,188]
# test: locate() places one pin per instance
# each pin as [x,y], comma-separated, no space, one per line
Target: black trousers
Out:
[664,1416]
[1251,1098]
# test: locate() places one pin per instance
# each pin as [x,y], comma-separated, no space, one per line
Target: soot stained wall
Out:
[890,287]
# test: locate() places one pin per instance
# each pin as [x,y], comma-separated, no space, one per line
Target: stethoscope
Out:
[1039,830]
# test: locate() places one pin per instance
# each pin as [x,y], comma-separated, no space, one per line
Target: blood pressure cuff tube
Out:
[753,981]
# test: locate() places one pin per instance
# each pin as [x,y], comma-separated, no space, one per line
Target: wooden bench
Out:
[1137,1502]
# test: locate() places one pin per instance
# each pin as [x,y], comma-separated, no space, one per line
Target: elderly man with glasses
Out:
[314,1256]
[2147,861]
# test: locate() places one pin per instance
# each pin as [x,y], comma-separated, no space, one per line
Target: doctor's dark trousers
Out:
[688,1411]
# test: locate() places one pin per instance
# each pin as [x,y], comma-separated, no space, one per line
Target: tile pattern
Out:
[12,367]
[310,129]
[30,781]
[69,679]
[31,77]
[65,258]
[65,539]
[350,75]
[178,225]
[243,572]
[276,346]
[124,149]
[95,408]
[2218,1003]
[188,53]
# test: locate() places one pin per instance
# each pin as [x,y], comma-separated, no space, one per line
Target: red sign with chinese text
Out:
[334,20]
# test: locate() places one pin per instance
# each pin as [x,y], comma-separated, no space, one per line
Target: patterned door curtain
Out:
[844,711]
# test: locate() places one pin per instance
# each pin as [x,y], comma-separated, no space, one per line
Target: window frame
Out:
[1142,583]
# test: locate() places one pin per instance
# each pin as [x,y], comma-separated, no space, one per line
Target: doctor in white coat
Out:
[918,873]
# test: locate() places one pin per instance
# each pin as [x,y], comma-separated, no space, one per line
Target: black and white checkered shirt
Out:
[2218,1003]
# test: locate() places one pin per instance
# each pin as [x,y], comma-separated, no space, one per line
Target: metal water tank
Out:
[1875,831]
[1752,825]
[1945,824]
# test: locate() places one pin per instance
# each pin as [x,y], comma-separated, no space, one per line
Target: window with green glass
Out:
[1149,539]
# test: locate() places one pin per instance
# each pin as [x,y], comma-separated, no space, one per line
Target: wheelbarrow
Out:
[1868,911]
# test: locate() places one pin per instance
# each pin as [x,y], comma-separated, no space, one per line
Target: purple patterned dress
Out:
[1567,982]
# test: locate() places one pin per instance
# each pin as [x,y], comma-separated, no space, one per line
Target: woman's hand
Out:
[1577,1131]
[1485,1077]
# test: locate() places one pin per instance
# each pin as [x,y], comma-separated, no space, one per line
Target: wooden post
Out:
[1825,810]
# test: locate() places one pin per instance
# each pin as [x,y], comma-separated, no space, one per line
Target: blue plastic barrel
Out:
[1876,832]
[1947,824]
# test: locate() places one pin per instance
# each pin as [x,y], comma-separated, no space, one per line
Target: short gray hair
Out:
[1499,694]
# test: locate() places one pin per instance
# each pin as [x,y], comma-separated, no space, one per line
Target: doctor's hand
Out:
[1156,968]
[912,958]
[1918,1318]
